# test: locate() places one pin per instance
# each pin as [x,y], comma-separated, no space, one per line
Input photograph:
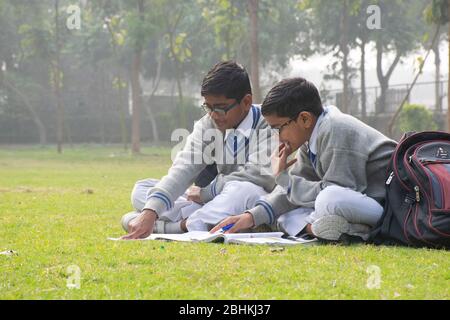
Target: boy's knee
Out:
[195,222]
[244,190]
[330,200]
[139,192]
[236,186]
[137,196]
[280,224]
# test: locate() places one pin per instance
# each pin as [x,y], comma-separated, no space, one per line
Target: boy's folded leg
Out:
[353,206]
[292,222]
[167,227]
[335,228]
[139,192]
[161,226]
[127,217]
[235,198]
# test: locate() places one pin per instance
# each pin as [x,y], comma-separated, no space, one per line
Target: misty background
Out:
[129,72]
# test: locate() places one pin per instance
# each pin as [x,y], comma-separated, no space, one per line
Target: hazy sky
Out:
[315,67]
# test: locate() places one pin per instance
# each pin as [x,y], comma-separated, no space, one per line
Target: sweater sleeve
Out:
[189,162]
[268,208]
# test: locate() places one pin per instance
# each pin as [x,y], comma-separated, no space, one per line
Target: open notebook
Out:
[267,238]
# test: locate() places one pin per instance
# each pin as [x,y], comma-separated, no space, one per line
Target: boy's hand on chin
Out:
[279,159]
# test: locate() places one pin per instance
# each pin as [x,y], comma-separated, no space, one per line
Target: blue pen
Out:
[227,227]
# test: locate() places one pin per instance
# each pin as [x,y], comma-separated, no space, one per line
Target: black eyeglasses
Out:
[280,128]
[221,111]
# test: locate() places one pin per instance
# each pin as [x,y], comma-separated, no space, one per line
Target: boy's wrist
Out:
[282,179]
[150,212]
[251,220]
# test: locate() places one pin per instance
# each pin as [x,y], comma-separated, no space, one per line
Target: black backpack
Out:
[417,208]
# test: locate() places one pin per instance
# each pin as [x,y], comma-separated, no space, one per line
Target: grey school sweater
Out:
[349,154]
[184,169]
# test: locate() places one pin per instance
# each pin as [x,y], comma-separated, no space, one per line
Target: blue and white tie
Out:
[235,144]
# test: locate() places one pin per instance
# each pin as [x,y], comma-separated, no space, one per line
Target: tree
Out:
[331,21]
[114,24]
[143,24]
[402,29]
[56,79]
[363,39]
[41,40]
[438,13]
[10,63]
[179,50]
[253,6]
[416,118]
[422,61]
[136,90]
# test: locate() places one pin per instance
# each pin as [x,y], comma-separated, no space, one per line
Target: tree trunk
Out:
[136,91]
[136,96]
[345,51]
[122,107]
[437,79]
[362,69]
[178,76]
[183,115]
[122,100]
[448,88]
[382,99]
[254,56]
[57,85]
[178,72]
[150,112]
[37,121]
[102,97]
[383,79]
[153,122]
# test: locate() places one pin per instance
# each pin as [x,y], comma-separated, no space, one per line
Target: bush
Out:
[415,117]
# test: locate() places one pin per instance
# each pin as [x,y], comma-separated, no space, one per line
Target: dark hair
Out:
[290,97]
[227,78]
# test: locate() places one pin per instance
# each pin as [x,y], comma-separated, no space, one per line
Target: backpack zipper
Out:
[389,180]
[417,190]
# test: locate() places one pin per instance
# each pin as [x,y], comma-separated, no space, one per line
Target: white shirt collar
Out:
[245,127]
[312,143]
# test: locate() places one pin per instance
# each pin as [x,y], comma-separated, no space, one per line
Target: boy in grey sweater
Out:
[335,188]
[234,136]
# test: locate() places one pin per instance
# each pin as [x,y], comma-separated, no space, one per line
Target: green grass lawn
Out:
[56,211]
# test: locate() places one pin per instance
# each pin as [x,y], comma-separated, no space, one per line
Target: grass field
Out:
[56,211]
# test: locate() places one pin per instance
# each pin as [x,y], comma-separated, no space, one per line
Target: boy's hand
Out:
[241,222]
[193,194]
[142,226]
[279,159]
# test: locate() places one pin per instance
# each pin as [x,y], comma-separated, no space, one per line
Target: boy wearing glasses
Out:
[335,188]
[239,179]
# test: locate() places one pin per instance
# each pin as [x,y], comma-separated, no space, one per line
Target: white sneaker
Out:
[332,227]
